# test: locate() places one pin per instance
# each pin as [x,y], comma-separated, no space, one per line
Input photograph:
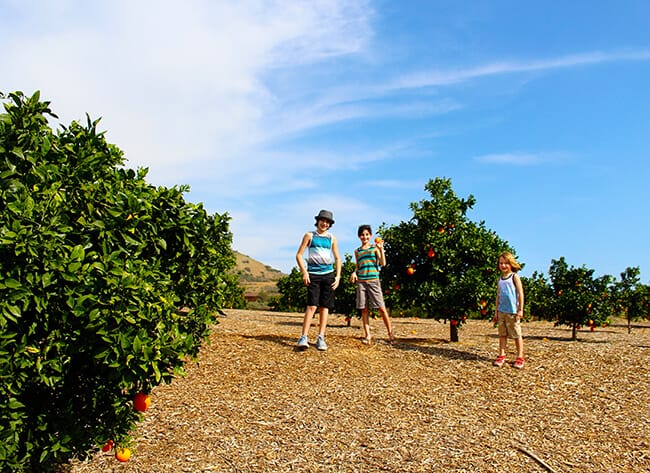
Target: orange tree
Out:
[293,293]
[95,265]
[539,295]
[579,300]
[632,298]
[441,265]
[345,299]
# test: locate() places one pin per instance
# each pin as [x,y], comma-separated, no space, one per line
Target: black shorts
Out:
[320,292]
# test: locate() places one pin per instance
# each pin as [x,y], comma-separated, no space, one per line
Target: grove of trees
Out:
[443,266]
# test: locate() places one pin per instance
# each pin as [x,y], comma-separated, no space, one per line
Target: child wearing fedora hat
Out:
[321,273]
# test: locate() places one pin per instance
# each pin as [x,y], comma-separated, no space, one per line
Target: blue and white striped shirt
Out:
[320,259]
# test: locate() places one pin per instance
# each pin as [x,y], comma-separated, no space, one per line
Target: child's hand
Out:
[353,278]
[335,284]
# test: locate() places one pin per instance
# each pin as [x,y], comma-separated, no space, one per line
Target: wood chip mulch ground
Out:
[253,403]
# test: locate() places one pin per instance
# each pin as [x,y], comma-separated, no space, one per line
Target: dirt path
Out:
[254,404]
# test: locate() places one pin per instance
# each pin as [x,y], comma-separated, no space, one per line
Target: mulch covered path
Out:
[253,403]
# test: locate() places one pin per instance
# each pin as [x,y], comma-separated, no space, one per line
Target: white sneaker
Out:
[303,342]
[320,343]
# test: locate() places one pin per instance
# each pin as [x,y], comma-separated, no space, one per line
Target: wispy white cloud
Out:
[395,184]
[523,159]
[444,77]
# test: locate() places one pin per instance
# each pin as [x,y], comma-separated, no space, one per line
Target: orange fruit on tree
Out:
[123,454]
[410,270]
[431,253]
[141,402]
[107,446]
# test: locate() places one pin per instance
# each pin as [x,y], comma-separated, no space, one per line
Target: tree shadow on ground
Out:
[330,324]
[277,339]
[443,348]
[567,338]
[634,325]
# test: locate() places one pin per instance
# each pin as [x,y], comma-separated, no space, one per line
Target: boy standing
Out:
[369,259]
[321,274]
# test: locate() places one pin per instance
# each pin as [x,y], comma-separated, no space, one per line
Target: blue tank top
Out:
[320,259]
[507,295]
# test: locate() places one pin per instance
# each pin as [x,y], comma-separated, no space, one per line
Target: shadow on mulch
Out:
[277,339]
[411,344]
[445,352]
[293,324]
[562,339]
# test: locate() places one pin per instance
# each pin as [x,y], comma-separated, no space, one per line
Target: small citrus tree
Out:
[441,265]
[345,299]
[579,298]
[94,267]
[293,293]
[538,296]
[632,298]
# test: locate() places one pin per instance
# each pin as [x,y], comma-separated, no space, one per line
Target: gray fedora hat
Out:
[326,215]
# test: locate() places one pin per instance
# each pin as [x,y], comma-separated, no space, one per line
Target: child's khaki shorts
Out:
[509,326]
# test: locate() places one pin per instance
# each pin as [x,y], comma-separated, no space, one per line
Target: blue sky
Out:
[273,110]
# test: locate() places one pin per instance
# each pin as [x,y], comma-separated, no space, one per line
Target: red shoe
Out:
[501,359]
[519,363]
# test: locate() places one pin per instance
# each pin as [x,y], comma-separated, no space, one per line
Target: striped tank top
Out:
[368,264]
[320,259]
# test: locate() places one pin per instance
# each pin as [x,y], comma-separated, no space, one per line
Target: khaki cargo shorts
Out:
[509,326]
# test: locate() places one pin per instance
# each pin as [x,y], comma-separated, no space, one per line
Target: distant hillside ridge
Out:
[259,280]
[253,271]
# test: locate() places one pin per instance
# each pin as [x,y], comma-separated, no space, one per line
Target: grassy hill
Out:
[258,279]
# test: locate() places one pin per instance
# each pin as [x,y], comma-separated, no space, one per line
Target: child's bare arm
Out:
[381,254]
[299,259]
[520,296]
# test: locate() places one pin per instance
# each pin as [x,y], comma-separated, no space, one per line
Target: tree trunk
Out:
[574,331]
[453,332]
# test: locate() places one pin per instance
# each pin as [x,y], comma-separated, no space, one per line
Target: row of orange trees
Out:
[442,265]
[94,266]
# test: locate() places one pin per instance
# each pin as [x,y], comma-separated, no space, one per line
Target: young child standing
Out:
[321,274]
[509,308]
[369,259]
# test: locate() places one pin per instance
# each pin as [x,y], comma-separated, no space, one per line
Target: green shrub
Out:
[94,267]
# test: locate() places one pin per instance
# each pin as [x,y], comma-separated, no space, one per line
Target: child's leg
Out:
[365,322]
[502,345]
[387,323]
[306,322]
[519,343]
[324,312]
